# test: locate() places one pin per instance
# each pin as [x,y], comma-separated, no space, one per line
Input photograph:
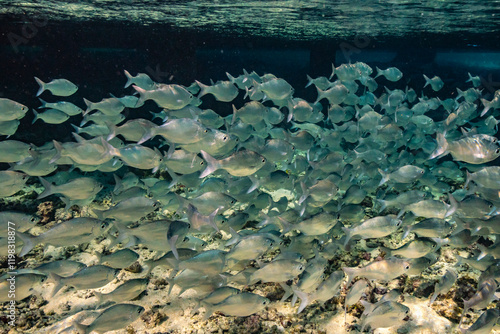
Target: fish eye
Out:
[407,311]
[43,279]
[186,239]
[301,267]
[203,244]
[33,219]
[263,160]
[189,225]
[407,267]
[497,150]
[271,244]
[433,245]
[281,243]
[232,201]
[206,130]
[201,162]
[422,171]
[224,138]
[399,223]
[103,225]
[490,206]
[264,302]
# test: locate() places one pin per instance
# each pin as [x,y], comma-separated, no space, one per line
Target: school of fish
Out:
[283,184]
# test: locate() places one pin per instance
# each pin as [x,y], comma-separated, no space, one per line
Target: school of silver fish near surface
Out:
[270,194]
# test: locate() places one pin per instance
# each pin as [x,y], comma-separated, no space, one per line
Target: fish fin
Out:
[56,279]
[130,79]
[305,192]
[288,292]
[234,114]
[142,95]
[348,235]
[28,243]
[99,298]
[58,147]
[468,179]
[172,242]
[118,184]
[442,148]
[453,206]
[407,230]
[48,188]
[235,237]
[333,72]
[211,219]
[309,80]
[42,86]
[36,116]
[80,328]
[212,164]
[89,106]
[427,81]
[433,297]
[209,310]
[112,131]
[385,177]
[487,106]
[255,184]
[321,94]
[383,204]
[351,274]
[44,104]
[203,89]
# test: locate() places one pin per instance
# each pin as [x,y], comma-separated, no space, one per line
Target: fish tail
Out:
[385,177]
[333,72]
[309,81]
[58,154]
[234,114]
[230,77]
[407,230]
[305,192]
[44,104]
[112,131]
[351,274]
[130,78]
[149,264]
[453,206]
[28,243]
[427,81]
[49,188]
[379,72]
[442,148]
[36,116]
[89,106]
[286,225]
[468,179]
[212,164]
[487,106]
[204,89]
[143,95]
[58,284]
[305,299]
[460,94]
[321,94]
[208,310]
[118,184]
[470,77]
[433,298]
[211,219]
[235,237]
[348,235]
[42,86]
[81,329]
[383,204]
[99,298]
